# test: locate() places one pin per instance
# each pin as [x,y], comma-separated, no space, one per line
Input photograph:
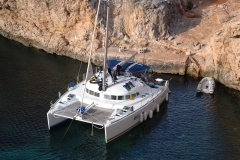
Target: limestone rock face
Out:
[60,27]
[65,27]
[226,55]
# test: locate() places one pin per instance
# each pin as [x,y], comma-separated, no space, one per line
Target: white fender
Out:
[167,83]
[141,117]
[145,116]
[166,97]
[150,114]
[158,107]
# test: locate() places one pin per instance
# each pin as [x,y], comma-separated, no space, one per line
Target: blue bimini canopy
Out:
[130,66]
[112,63]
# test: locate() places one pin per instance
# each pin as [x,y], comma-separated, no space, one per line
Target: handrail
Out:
[142,105]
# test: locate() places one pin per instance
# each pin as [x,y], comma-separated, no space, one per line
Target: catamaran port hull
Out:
[53,121]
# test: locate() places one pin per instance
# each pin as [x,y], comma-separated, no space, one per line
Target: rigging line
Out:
[69,127]
[64,91]
[92,126]
[79,71]
[89,60]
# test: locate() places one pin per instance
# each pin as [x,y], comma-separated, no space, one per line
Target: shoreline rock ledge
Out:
[207,44]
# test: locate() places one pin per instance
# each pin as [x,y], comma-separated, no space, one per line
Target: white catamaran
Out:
[112,98]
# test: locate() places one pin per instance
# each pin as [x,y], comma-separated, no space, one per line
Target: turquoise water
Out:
[189,126]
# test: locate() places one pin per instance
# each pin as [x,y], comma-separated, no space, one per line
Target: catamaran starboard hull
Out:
[125,124]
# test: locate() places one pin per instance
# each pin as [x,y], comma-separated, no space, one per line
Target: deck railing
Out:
[64,91]
[142,103]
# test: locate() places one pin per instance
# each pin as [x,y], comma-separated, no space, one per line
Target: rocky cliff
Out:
[209,39]
[64,27]
[215,42]
[226,55]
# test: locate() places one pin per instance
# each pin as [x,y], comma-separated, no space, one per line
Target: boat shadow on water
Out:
[200,94]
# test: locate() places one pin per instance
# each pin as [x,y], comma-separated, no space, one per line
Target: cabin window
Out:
[91,92]
[113,97]
[127,97]
[134,95]
[87,90]
[106,96]
[97,94]
[137,93]
[120,97]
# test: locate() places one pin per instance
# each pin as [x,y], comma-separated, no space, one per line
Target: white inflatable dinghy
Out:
[206,85]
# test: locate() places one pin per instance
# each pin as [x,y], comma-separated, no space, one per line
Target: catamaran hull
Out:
[125,124]
[53,121]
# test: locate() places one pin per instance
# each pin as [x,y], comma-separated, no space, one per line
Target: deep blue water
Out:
[189,126]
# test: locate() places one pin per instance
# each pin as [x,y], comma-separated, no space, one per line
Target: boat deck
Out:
[94,114]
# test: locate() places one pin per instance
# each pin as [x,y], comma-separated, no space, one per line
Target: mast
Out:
[105,66]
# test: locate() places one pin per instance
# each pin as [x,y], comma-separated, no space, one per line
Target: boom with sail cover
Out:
[128,66]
